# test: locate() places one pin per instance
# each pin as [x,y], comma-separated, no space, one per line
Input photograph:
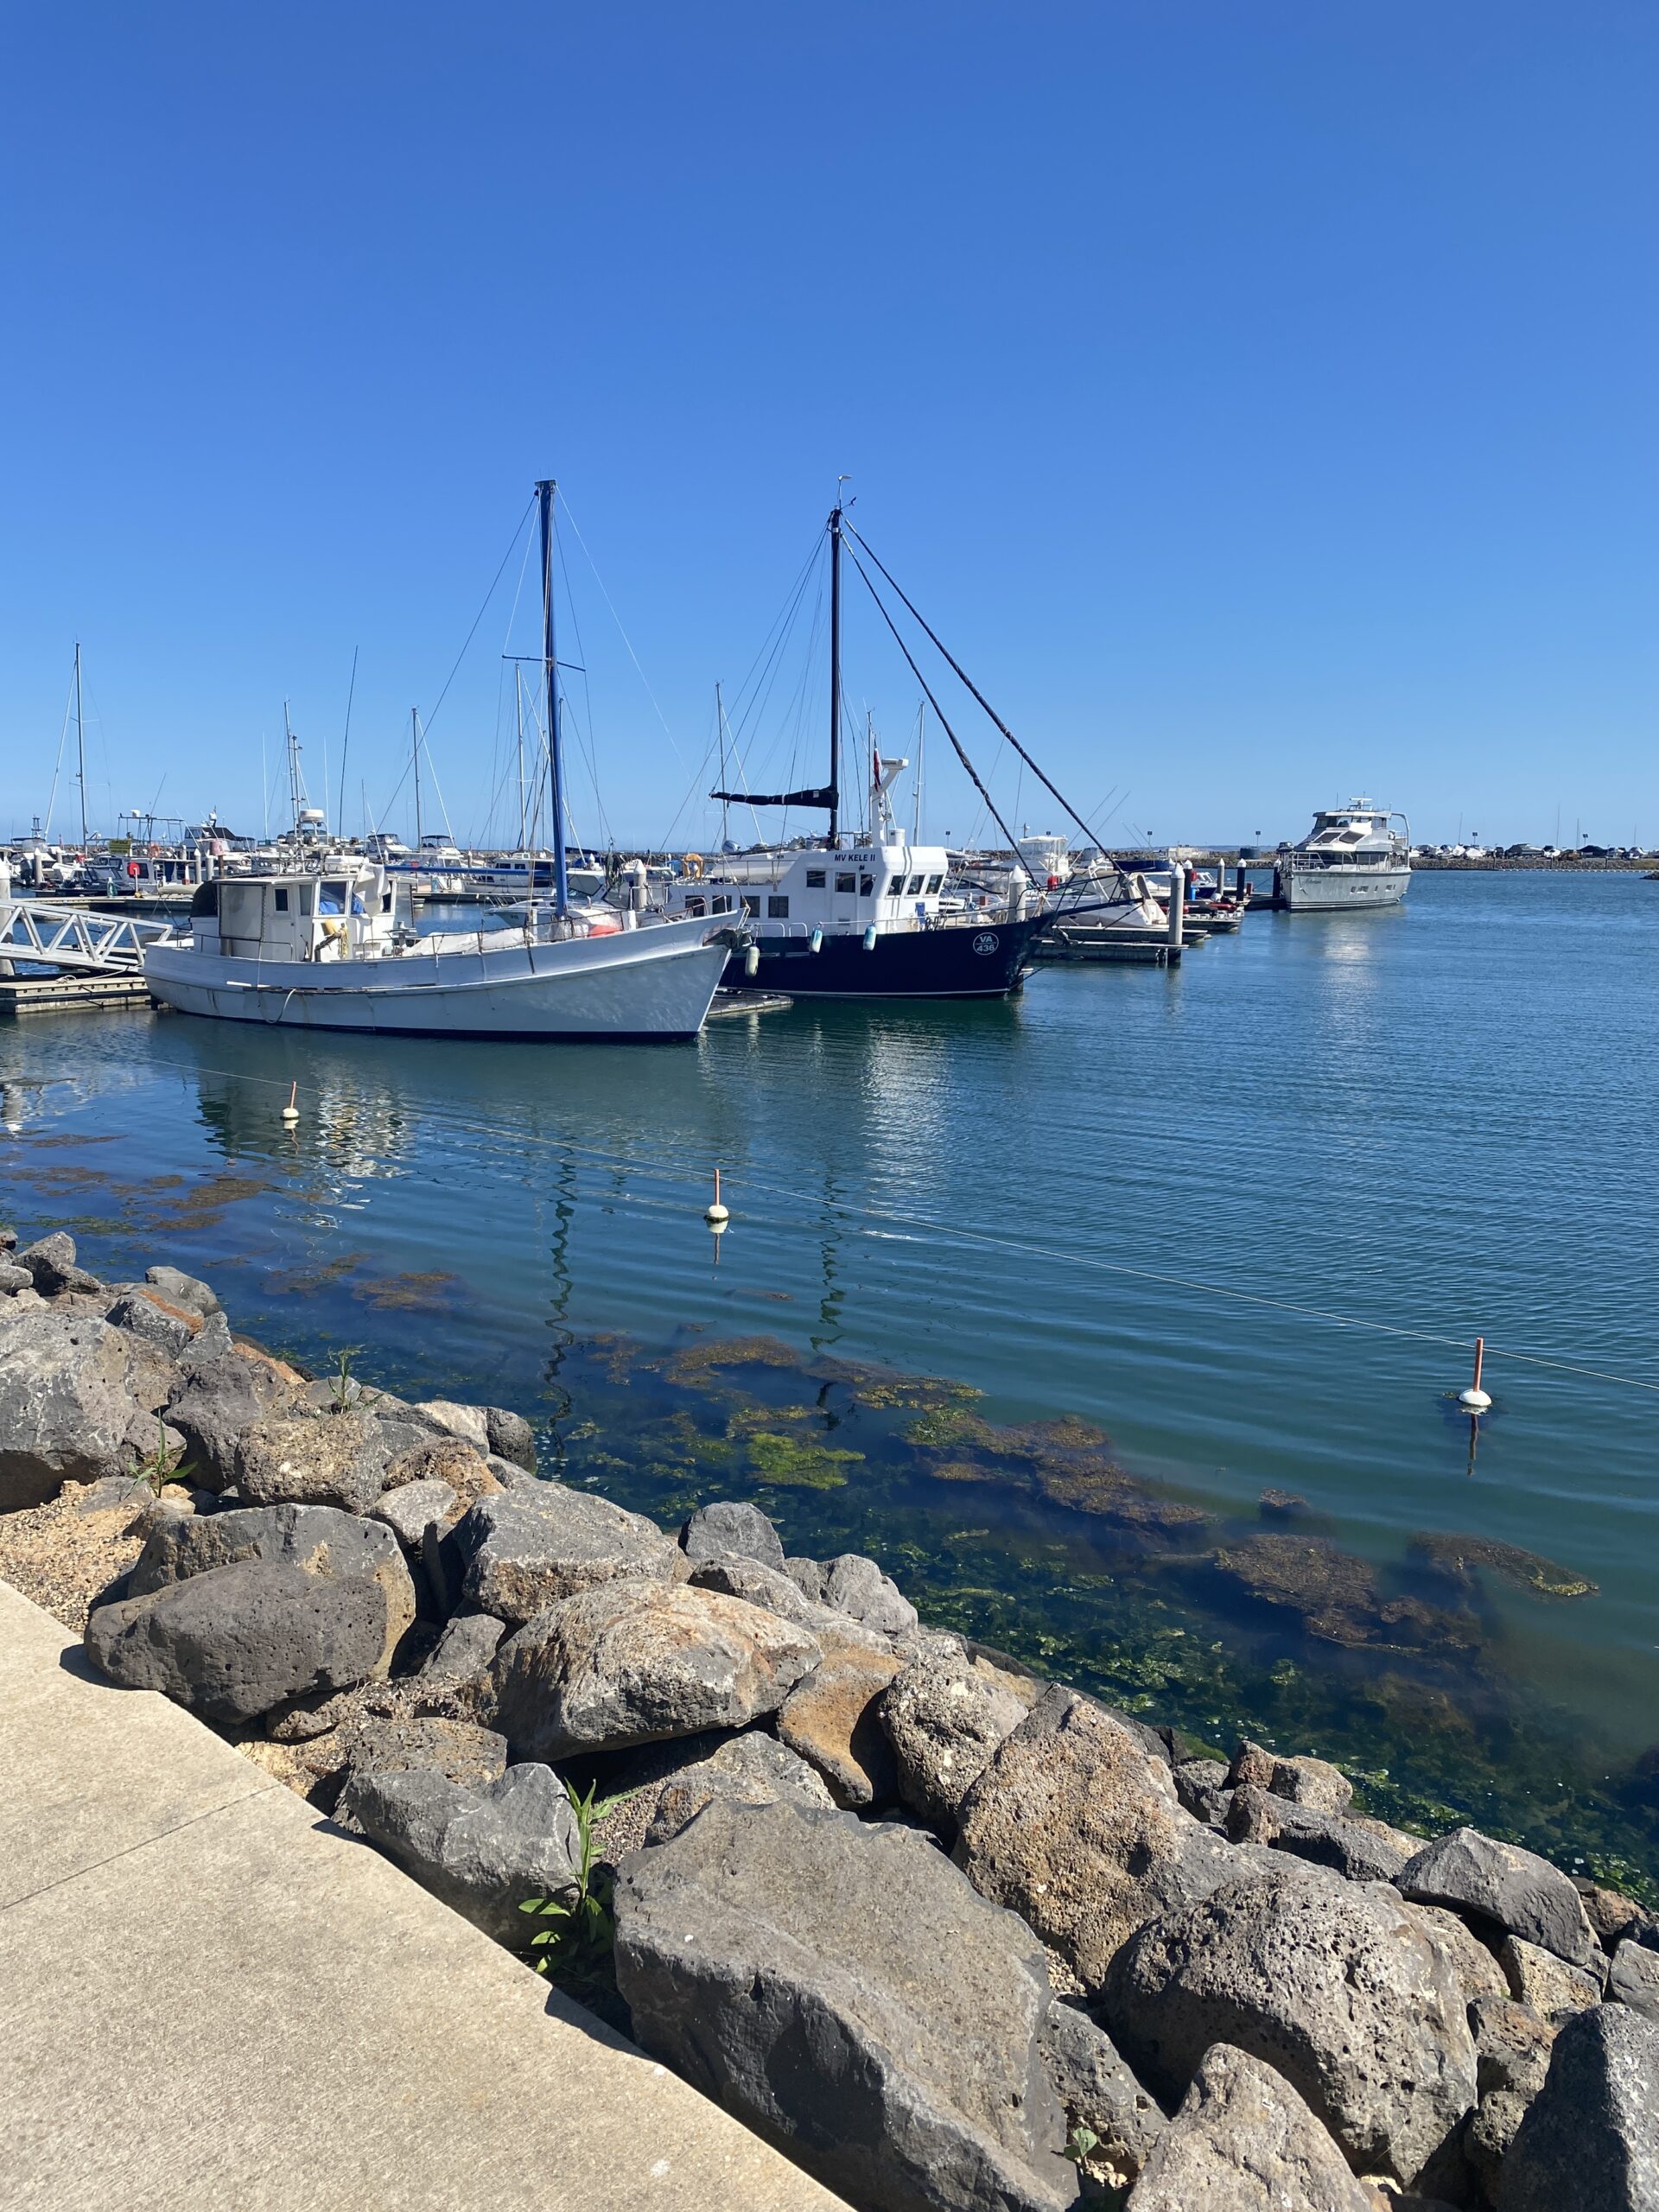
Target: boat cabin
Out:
[1355,835]
[346,912]
[843,891]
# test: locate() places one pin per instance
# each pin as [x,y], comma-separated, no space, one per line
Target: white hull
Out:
[649,983]
[1340,890]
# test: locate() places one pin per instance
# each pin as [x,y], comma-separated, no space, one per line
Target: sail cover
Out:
[825,796]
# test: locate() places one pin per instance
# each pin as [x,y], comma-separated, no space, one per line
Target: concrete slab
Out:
[234,2005]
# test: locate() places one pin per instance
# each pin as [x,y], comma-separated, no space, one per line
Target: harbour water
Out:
[1035,1301]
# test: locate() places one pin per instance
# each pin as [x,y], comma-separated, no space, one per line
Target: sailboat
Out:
[332,946]
[859,915]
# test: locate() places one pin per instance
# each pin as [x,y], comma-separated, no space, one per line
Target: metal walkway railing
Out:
[75,941]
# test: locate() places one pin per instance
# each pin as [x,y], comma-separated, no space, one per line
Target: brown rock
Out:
[1477,1971]
[447,1460]
[1537,1978]
[831,1719]
[1313,1782]
[1513,2047]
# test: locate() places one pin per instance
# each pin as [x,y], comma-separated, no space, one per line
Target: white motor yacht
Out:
[1351,857]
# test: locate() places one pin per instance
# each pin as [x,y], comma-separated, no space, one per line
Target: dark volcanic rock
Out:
[1514,1888]
[526,1548]
[1513,2047]
[1361,1850]
[856,1586]
[65,1406]
[1330,1981]
[1201,1785]
[843,1990]
[1552,1987]
[484,1851]
[944,1715]
[1634,1979]
[467,1647]
[1098,2092]
[217,1402]
[1313,1783]
[1590,2140]
[729,1525]
[180,1289]
[632,1662]
[51,1263]
[1244,2141]
[753,1769]
[313,1460]
[734,1574]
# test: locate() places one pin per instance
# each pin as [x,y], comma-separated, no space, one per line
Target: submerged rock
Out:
[1244,2141]
[842,1989]
[1335,1596]
[1590,2140]
[486,1851]
[1514,1889]
[634,1661]
[1330,1981]
[1457,1555]
[1076,1828]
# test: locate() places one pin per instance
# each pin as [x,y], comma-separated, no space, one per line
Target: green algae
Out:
[797,1464]
[1455,1554]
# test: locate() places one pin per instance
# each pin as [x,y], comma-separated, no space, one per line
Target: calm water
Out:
[1083,1205]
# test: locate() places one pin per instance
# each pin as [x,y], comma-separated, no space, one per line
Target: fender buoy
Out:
[132,867]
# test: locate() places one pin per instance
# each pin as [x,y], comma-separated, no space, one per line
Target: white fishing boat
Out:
[1352,857]
[331,946]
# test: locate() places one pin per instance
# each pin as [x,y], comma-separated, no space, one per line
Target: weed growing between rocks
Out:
[575,1953]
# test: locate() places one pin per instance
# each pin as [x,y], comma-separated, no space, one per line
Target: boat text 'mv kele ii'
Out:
[325,947]
[860,915]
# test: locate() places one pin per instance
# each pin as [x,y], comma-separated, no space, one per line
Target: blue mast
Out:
[545,494]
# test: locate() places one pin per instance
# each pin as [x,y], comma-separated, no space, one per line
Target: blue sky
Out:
[1260,399]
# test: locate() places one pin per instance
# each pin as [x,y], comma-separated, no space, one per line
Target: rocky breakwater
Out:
[951,1935]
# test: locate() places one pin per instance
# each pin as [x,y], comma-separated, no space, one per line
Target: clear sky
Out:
[1260,398]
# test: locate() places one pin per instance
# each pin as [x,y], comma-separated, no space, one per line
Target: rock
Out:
[51,1264]
[856,1586]
[526,1550]
[753,1769]
[1312,1782]
[807,1576]
[235,1641]
[1074,1827]
[1536,1977]
[314,1538]
[633,1662]
[216,1404]
[412,1507]
[734,1574]
[167,1329]
[1478,1972]
[1097,2091]
[1512,2048]
[842,1990]
[1244,2141]
[159,1511]
[466,1648]
[726,1527]
[313,1460]
[944,1716]
[1201,1785]
[180,1289]
[1360,1850]
[65,1405]
[1633,1978]
[484,1851]
[13,1278]
[832,1720]
[1613,1916]
[1515,1889]
[508,1435]
[1590,2140]
[442,1459]
[470,1423]
[1331,1981]
[376,1731]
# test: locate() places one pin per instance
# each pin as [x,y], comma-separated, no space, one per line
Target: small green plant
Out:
[348,1390]
[162,1467]
[575,1951]
[1080,2143]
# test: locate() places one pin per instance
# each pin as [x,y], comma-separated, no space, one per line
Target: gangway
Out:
[75,941]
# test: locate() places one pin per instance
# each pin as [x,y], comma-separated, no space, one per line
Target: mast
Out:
[545,494]
[720,732]
[415,753]
[921,712]
[296,783]
[80,746]
[834,675]
[519,702]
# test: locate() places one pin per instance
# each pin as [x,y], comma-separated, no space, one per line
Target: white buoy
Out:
[717,1215]
[291,1111]
[1474,1400]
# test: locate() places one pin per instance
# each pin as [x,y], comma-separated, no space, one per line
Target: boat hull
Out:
[637,986]
[1333,891]
[987,961]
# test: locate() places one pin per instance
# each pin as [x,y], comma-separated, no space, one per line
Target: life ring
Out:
[133,868]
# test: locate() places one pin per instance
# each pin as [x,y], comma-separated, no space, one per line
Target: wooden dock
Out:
[21,995]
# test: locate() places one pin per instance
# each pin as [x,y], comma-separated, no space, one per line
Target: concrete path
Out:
[210,2001]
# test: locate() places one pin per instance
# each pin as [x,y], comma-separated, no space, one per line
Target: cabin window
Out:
[723,907]
[896,887]
[751,904]
[935,883]
[815,879]
[695,906]
[866,885]
[916,883]
[777,910]
[846,881]
[331,899]
[281,896]
[386,902]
